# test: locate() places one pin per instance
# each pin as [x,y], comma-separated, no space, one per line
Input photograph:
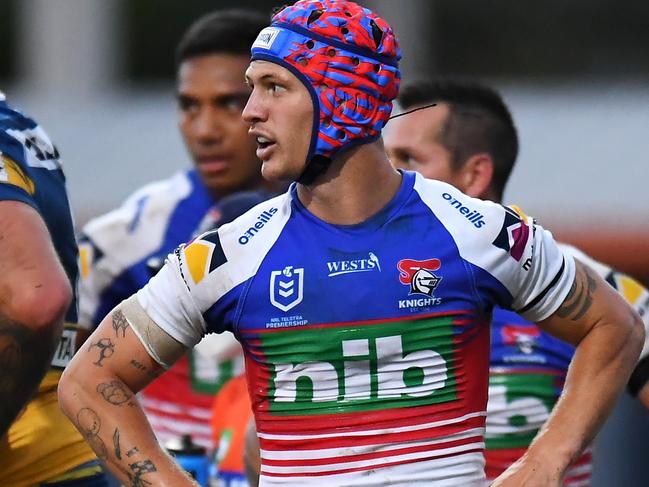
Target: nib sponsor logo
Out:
[339,267]
[473,216]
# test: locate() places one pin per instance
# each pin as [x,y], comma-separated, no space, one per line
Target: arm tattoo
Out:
[114,392]
[138,365]
[139,469]
[118,450]
[580,296]
[120,323]
[106,349]
[152,374]
[89,425]
[25,355]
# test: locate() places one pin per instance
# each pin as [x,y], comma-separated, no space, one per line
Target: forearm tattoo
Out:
[105,347]
[25,356]
[89,425]
[580,296]
[138,469]
[116,446]
[120,323]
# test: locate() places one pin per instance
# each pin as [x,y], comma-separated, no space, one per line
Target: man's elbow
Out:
[43,307]
[67,388]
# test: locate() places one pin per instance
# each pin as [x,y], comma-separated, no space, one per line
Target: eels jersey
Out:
[527,370]
[120,251]
[42,443]
[367,346]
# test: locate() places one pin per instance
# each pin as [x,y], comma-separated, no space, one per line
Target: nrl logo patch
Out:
[286,288]
[418,274]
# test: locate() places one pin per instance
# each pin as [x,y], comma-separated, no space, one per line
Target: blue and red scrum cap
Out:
[347,57]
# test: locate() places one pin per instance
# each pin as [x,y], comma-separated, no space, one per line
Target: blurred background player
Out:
[124,248]
[469,140]
[38,275]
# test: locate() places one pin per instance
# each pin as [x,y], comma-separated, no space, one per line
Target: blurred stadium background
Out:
[98,74]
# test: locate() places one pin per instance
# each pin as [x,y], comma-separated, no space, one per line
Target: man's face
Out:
[412,143]
[211,96]
[280,114]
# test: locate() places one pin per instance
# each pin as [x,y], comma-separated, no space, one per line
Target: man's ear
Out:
[476,175]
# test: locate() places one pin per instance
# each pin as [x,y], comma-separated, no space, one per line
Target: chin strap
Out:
[315,167]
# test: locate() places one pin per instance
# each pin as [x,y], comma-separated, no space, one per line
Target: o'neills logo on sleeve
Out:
[473,216]
[263,218]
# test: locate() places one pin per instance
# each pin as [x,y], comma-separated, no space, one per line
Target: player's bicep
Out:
[131,346]
[590,302]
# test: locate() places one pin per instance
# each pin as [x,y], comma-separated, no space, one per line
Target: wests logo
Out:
[514,233]
[418,274]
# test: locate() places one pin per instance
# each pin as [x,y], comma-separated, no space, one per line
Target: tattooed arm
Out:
[34,295]
[97,392]
[609,336]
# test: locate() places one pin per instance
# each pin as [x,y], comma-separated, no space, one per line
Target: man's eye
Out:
[187,105]
[275,88]
[234,104]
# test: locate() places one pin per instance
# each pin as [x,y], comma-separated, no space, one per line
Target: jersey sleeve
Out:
[15,183]
[198,289]
[637,296]
[515,262]
[169,303]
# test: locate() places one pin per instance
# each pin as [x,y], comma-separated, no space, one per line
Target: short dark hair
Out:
[478,121]
[229,31]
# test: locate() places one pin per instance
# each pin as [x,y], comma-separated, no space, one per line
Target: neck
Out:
[356,186]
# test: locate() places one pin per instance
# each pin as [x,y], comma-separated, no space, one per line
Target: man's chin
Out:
[273,171]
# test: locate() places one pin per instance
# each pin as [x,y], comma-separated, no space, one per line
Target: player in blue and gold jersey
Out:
[38,274]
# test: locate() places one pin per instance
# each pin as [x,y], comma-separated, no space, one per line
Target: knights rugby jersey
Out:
[528,368]
[366,345]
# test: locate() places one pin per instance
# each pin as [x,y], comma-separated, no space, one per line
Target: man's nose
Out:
[208,125]
[254,110]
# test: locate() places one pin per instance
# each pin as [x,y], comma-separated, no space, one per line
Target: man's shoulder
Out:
[459,212]
[221,259]
[254,228]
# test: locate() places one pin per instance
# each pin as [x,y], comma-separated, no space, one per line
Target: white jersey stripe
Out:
[365,449]
[371,463]
[384,431]
[465,469]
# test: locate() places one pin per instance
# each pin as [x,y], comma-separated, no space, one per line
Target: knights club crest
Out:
[418,274]
[286,288]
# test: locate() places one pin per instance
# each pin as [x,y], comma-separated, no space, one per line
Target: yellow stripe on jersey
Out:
[197,255]
[519,212]
[629,288]
[11,173]
[85,256]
